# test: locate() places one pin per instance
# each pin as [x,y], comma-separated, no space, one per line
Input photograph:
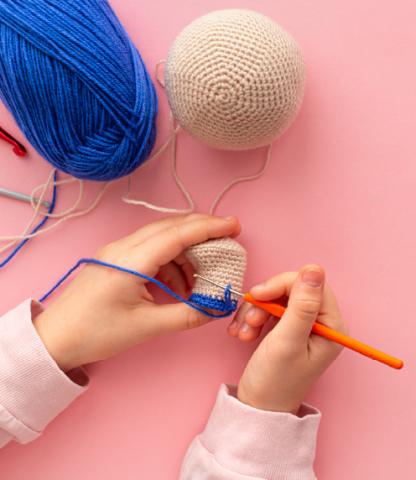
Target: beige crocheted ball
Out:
[234,79]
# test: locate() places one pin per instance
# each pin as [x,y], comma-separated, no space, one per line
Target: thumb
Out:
[175,317]
[304,304]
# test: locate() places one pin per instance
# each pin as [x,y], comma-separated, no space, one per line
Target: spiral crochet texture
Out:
[77,86]
[234,79]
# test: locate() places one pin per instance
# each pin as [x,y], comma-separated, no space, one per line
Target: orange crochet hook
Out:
[319,329]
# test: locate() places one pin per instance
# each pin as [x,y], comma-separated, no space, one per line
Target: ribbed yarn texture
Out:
[77,86]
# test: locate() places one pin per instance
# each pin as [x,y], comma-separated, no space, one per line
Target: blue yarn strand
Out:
[94,261]
[77,86]
[51,208]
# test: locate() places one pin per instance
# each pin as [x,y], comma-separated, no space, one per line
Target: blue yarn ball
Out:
[77,86]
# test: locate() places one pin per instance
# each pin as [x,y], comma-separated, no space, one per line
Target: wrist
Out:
[56,340]
[267,402]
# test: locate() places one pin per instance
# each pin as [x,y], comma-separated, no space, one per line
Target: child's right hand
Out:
[289,359]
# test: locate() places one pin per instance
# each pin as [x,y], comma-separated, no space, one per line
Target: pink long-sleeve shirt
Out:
[238,443]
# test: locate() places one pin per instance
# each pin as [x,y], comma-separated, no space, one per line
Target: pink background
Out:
[340,191]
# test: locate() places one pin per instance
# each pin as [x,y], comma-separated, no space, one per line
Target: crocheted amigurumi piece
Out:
[224,261]
[234,79]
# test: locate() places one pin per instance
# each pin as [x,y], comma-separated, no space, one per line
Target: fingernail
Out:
[229,219]
[258,288]
[251,312]
[244,328]
[313,278]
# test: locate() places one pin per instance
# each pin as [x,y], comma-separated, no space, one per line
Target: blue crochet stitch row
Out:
[77,86]
[221,305]
[82,261]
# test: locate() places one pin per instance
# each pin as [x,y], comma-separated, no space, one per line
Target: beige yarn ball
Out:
[234,79]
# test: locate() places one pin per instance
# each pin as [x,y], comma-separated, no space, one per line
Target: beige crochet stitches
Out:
[221,260]
[234,79]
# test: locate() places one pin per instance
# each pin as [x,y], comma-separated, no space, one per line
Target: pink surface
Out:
[340,191]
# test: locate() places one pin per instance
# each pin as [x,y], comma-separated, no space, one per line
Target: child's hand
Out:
[103,312]
[289,360]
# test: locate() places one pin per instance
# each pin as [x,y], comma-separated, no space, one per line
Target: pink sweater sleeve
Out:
[238,443]
[33,390]
[243,443]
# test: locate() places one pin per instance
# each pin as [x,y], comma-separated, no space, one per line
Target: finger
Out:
[173,317]
[279,287]
[172,275]
[168,244]
[143,233]
[253,320]
[247,333]
[240,328]
[148,296]
[147,231]
[154,228]
[256,317]
[275,287]
[330,314]
[187,268]
[238,320]
[304,305]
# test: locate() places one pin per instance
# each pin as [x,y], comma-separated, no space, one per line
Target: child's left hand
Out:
[103,312]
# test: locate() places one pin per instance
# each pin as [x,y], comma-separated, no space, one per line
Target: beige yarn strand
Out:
[32,220]
[63,216]
[172,140]
[175,175]
[236,181]
[174,169]
[58,183]
[79,213]
[157,73]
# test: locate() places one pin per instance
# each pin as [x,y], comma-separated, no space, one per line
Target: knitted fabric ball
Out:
[234,79]
[222,260]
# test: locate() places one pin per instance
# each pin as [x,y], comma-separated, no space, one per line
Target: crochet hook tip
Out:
[205,279]
[22,197]
[18,148]
[19,152]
